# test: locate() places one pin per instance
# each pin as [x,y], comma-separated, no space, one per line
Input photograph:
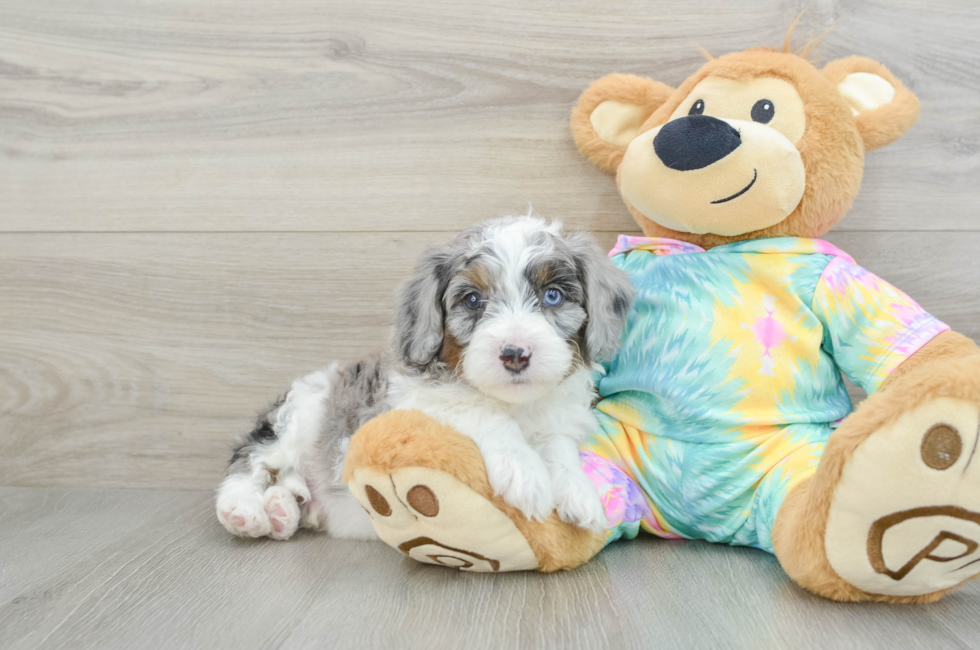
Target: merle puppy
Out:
[498,335]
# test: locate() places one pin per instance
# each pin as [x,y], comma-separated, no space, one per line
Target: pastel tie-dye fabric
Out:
[729,380]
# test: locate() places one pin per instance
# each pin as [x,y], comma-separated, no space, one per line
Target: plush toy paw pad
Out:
[905,519]
[431,517]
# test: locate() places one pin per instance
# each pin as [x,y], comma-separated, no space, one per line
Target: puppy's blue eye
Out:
[552,297]
[473,301]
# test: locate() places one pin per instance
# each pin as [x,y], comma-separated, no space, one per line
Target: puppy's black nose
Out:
[695,141]
[515,359]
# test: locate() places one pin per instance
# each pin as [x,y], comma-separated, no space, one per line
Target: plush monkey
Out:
[724,416]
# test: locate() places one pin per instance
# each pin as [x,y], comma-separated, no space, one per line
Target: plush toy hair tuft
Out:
[811,43]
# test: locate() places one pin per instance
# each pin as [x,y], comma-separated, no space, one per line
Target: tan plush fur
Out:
[625,88]
[887,123]
[948,345]
[412,439]
[832,147]
[947,366]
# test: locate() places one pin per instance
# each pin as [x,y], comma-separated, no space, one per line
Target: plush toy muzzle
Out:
[703,174]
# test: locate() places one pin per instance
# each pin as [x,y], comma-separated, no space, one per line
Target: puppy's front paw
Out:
[577,501]
[521,478]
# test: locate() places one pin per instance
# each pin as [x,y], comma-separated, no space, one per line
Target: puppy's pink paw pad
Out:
[243,515]
[283,512]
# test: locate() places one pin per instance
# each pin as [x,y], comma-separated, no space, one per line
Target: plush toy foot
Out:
[426,490]
[893,511]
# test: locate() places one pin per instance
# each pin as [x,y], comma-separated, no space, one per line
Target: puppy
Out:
[498,335]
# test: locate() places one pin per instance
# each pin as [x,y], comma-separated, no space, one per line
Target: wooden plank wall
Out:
[201,199]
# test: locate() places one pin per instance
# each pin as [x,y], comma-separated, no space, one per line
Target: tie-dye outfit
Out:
[729,380]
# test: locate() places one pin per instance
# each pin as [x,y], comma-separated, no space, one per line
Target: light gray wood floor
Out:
[200,200]
[150,568]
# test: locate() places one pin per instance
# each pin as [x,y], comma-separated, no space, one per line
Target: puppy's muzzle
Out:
[695,141]
[515,358]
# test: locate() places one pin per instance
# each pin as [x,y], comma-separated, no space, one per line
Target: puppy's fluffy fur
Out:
[497,334]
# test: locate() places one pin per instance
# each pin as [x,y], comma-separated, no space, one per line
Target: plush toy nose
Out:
[695,141]
[515,358]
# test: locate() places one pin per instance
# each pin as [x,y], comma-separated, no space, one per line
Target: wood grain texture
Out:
[326,115]
[130,360]
[142,569]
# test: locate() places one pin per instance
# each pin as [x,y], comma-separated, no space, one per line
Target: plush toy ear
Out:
[884,109]
[609,115]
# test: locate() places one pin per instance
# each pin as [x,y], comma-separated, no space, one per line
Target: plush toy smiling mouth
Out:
[755,176]
[681,174]
[709,152]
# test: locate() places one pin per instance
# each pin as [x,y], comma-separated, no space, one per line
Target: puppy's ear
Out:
[610,113]
[884,109]
[419,312]
[608,296]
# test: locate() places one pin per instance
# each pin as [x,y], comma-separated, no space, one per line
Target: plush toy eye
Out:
[698,108]
[552,297]
[473,301]
[763,111]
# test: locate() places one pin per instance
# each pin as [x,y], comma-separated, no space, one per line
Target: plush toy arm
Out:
[946,346]
[870,326]
[876,332]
